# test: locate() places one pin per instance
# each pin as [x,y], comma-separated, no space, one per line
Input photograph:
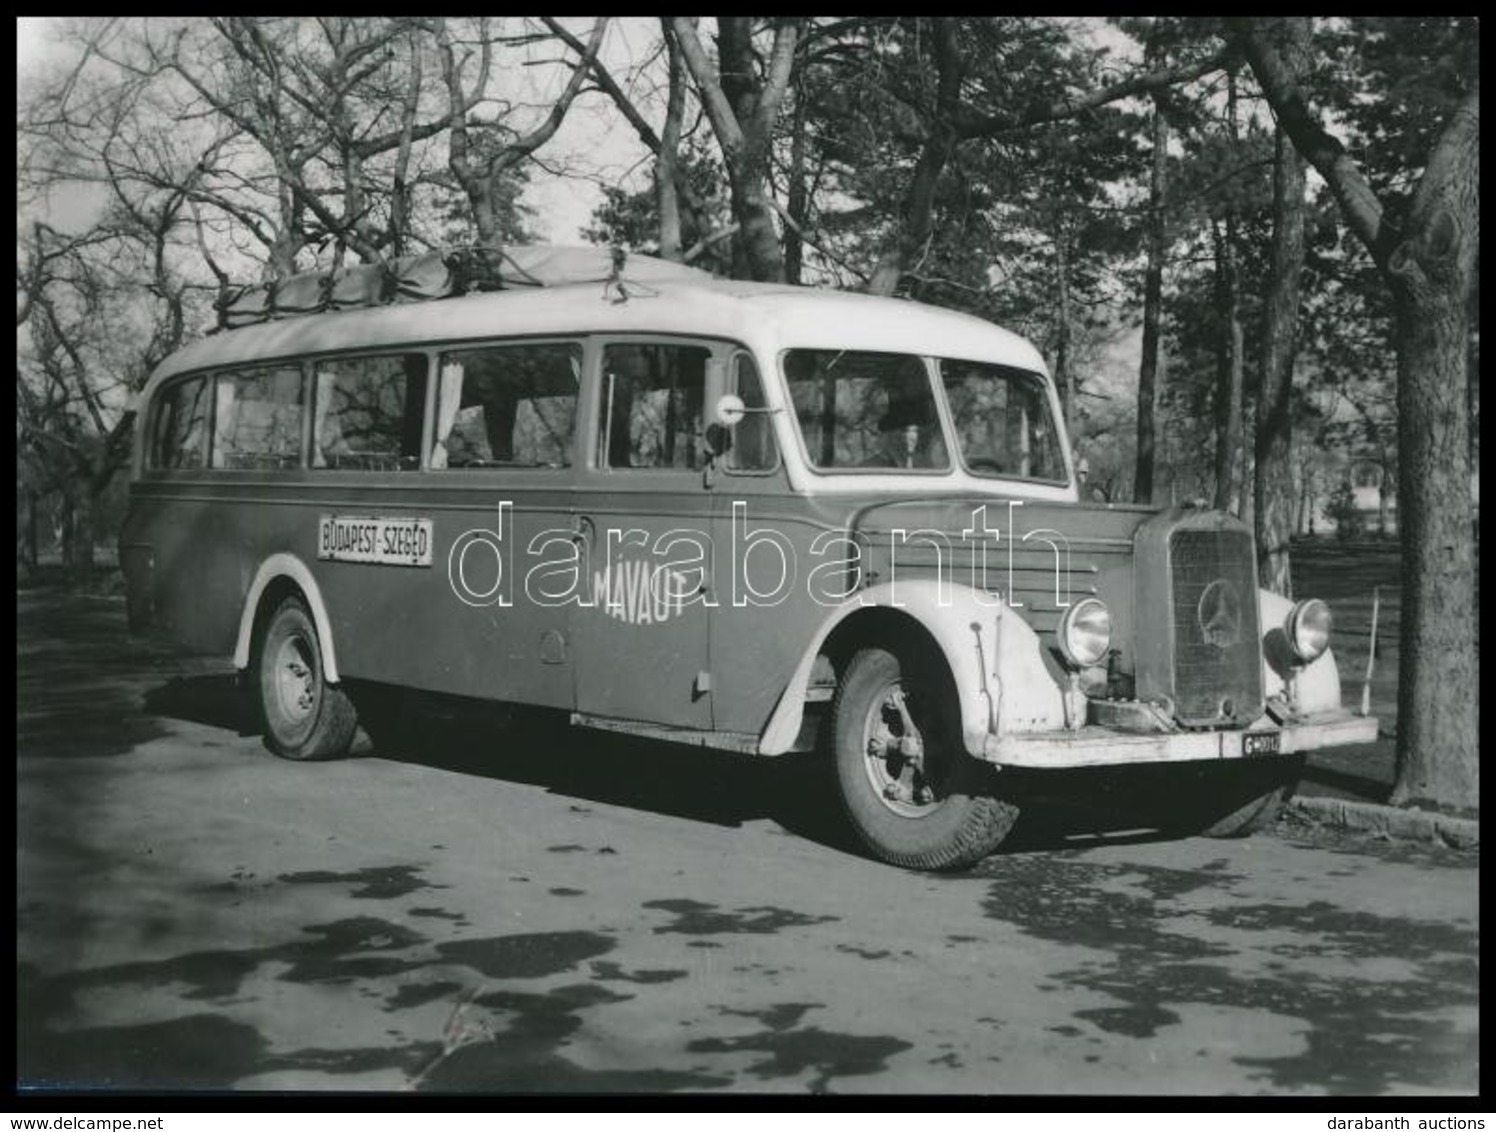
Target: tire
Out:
[1265,797]
[937,813]
[304,717]
[386,717]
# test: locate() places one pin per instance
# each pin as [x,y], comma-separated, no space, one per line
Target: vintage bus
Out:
[761,518]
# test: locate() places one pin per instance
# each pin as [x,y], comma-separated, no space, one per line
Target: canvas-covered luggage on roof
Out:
[439,274]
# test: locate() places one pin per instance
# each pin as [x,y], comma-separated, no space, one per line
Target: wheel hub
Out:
[896,756]
[295,680]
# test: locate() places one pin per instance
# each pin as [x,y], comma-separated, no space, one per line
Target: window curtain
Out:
[448,398]
[320,439]
[225,421]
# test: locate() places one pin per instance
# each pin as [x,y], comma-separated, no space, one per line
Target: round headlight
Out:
[1085,632]
[1308,629]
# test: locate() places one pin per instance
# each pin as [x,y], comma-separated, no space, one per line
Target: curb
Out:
[1412,825]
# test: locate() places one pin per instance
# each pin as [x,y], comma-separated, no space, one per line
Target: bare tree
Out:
[675,200]
[88,348]
[477,157]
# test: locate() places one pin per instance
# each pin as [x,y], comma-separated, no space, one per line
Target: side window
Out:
[257,418]
[510,406]
[1002,420]
[652,405]
[180,437]
[753,447]
[368,413]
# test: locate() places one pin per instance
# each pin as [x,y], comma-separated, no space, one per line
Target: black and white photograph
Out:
[723,557]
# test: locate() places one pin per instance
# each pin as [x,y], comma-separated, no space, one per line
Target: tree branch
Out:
[998,124]
[543,133]
[1359,203]
[718,109]
[828,253]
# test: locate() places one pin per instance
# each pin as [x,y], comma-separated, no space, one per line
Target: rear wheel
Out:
[304,716]
[913,795]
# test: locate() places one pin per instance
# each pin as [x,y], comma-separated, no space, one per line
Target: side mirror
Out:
[718,439]
[730,409]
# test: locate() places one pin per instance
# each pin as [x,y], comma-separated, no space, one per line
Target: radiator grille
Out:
[1217,657]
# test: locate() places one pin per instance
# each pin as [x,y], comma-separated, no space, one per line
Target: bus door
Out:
[640,644]
[498,481]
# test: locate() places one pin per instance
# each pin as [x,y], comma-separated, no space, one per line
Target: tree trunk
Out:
[1301,507]
[797,197]
[1153,290]
[918,220]
[1062,375]
[1246,488]
[742,109]
[1437,731]
[918,211]
[32,557]
[667,198]
[83,540]
[1429,262]
[756,252]
[400,201]
[1229,384]
[282,260]
[1273,482]
[62,528]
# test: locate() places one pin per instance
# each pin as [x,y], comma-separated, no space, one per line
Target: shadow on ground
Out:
[85,688]
[698,784]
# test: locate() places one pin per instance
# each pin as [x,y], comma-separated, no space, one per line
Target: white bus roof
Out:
[766,316]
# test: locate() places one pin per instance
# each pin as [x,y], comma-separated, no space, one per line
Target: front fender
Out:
[990,651]
[1317,688]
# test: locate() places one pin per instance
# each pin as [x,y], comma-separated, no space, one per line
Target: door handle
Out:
[582,529]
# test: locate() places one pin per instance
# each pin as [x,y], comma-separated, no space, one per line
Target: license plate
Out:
[1259,743]
[364,538]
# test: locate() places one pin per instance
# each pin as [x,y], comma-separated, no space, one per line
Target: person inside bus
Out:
[908,437]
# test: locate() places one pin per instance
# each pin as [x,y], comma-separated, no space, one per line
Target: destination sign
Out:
[364,538]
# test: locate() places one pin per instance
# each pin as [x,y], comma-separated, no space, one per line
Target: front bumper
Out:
[1101,746]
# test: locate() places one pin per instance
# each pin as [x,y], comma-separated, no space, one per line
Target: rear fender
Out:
[293,568]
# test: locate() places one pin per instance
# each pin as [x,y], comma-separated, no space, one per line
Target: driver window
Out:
[653,395]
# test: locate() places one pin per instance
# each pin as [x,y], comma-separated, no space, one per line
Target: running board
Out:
[694,737]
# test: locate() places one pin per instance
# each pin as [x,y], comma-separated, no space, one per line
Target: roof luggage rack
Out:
[445,273]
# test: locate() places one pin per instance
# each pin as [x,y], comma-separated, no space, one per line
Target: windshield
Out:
[859,409]
[1002,420]
[864,410]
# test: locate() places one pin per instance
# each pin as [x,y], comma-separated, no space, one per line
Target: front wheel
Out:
[304,716]
[913,795]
